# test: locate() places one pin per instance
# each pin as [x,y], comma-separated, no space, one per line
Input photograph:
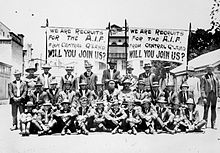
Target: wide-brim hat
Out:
[83,83]
[69,68]
[162,100]
[17,72]
[53,82]
[99,83]
[127,81]
[155,84]
[65,101]
[175,103]
[184,85]
[47,103]
[115,102]
[190,101]
[46,66]
[83,100]
[38,84]
[30,68]
[146,101]
[147,65]
[129,67]
[29,104]
[112,62]
[210,66]
[170,85]
[141,82]
[87,65]
[68,82]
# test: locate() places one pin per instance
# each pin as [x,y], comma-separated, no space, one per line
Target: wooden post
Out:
[126,52]
[109,28]
[189,36]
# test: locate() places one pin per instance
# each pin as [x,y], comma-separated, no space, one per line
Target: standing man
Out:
[167,78]
[68,76]
[110,74]
[147,76]
[210,92]
[17,90]
[90,78]
[53,92]
[46,77]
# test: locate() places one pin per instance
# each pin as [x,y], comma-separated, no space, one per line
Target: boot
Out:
[14,127]
[151,130]
[169,131]
[134,131]
[84,130]
[129,131]
[63,132]
[68,132]
[115,130]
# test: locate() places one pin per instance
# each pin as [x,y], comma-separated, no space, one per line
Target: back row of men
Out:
[83,105]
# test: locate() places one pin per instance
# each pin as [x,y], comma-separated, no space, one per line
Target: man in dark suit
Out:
[147,76]
[184,94]
[210,92]
[53,92]
[17,93]
[110,74]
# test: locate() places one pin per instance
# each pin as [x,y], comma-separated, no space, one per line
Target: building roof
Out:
[200,62]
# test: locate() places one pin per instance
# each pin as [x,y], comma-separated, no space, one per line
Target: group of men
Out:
[82,105]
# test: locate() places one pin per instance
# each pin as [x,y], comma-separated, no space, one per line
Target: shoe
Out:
[120,131]
[129,131]
[134,131]
[152,131]
[147,131]
[63,132]
[213,126]
[40,133]
[78,131]
[14,127]
[23,133]
[115,131]
[68,132]
[93,129]
[49,132]
[27,132]
[86,132]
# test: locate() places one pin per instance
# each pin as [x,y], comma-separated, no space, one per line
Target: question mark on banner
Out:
[183,55]
[104,54]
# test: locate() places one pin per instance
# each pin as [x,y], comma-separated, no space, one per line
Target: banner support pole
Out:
[109,28]
[189,36]
[126,49]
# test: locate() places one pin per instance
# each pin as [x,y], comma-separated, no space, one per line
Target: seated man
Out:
[26,119]
[85,92]
[45,119]
[184,94]
[134,119]
[115,118]
[110,94]
[156,93]
[140,93]
[148,115]
[164,121]
[99,117]
[85,118]
[38,96]
[67,93]
[195,123]
[64,118]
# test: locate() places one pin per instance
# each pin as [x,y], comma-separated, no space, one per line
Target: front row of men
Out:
[112,110]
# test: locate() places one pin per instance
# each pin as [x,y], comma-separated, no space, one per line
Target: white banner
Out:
[71,44]
[158,44]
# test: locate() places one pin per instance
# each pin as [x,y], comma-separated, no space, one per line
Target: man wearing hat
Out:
[46,77]
[89,77]
[85,116]
[148,115]
[99,91]
[26,119]
[17,90]
[68,76]
[165,118]
[85,92]
[45,118]
[156,93]
[99,117]
[126,94]
[111,73]
[210,91]
[38,96]
[184,94]
[140,94]
[133,120]
[67,93]
[115,118]
[167,78]
[147,76]
[30,79]
[53,92]
[110,94]
[171,95]
[195,123]
[133,78]
[65,117]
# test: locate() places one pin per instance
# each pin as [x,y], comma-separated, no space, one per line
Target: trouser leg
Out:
[206,107]
[14,111]
[213,108]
